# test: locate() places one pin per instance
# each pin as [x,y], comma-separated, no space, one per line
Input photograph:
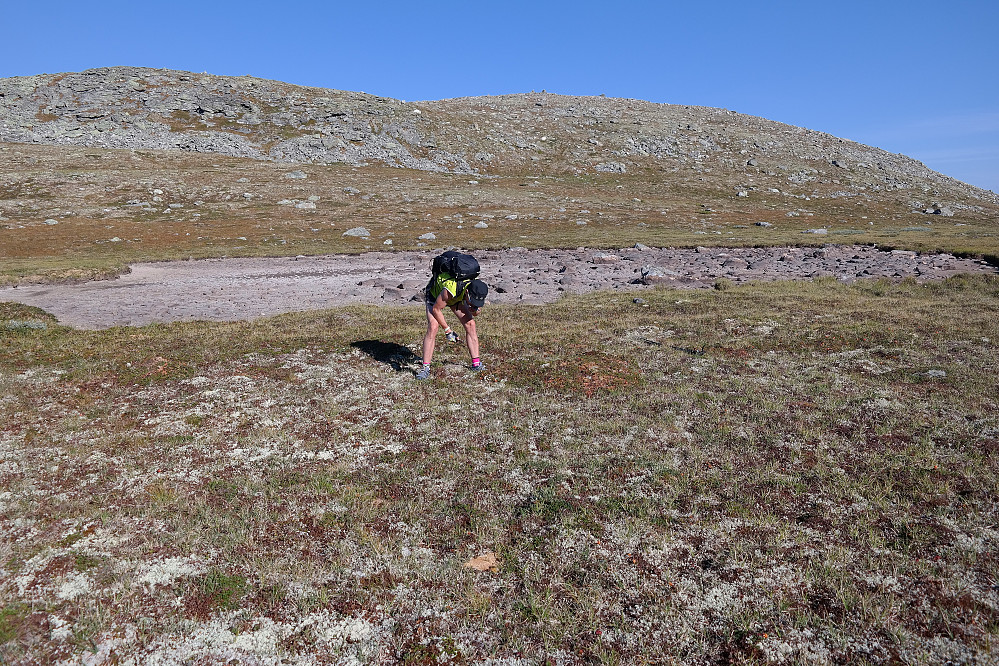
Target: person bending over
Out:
[465,301]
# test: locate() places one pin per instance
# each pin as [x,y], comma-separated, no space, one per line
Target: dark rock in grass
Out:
[723,284]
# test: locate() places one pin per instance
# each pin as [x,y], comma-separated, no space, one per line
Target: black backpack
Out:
[462,267]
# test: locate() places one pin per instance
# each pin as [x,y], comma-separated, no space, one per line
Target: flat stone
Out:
[658,275]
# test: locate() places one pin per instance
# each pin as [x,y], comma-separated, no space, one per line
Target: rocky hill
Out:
[533,133]
[112,166]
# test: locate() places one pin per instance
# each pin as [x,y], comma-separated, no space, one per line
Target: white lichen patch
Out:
[72,586]
[168,570]
[258,640]
[59,628]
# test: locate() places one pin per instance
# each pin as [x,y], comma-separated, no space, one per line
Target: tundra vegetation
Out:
[792,472]
[788,472]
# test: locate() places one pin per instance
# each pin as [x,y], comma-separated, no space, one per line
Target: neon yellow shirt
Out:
[444,281]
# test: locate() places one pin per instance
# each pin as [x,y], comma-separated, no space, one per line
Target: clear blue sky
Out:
[914,77]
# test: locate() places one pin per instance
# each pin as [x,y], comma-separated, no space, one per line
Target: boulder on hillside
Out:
[937,209]
[611,167]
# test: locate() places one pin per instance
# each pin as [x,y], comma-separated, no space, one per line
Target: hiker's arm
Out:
[437,311]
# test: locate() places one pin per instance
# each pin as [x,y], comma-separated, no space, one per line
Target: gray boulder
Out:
[611,167]
[937,209]
[658,274]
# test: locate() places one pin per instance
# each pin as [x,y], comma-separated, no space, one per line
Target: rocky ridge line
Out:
[138,108]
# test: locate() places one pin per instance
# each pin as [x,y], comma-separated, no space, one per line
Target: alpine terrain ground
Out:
[747,414]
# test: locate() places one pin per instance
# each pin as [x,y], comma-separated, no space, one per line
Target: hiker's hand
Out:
[453,337]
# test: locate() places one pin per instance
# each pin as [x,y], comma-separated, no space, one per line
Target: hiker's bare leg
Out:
[435,320]
[471,337]
[430,339]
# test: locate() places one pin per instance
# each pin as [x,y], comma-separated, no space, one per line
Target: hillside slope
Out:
[177,164]
[535,133]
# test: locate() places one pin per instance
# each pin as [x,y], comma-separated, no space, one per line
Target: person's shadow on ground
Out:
[399,357]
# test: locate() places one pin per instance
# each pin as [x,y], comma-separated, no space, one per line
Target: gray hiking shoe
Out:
[424,373]
[479,368]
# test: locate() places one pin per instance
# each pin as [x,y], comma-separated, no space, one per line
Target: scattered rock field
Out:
[247,288]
